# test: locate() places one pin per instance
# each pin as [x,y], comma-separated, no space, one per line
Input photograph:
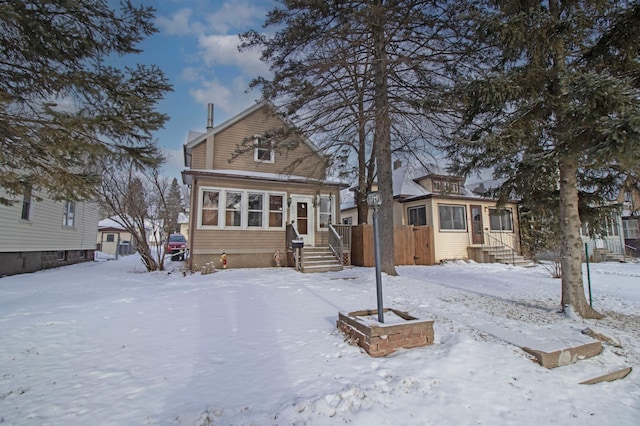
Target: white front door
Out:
[302,215]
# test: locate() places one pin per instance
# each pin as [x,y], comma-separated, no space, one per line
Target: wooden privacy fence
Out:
[413,245]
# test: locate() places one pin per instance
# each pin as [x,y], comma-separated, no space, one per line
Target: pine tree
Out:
[174,207]
[63,108]
[556,97]
[352,73]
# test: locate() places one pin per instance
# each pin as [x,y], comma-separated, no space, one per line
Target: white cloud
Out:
[179,23]
[233,17]
[228,99]
[223,50]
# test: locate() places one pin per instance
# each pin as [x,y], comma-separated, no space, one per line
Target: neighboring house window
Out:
[255,210]
[210,208]
[630,229]
[417,215]
[69,213]
[347,221]
[444,186]
[233,210]
[26,204]
[263,151]
[452,218]
[612,228]
[325,211]
[501,220]
[111,238]
[276,211]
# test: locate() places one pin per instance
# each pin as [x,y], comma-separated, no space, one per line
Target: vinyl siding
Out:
[227,141]
[210,241]
[44,231]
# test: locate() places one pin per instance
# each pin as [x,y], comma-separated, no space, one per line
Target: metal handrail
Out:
[335,244]
[490,237]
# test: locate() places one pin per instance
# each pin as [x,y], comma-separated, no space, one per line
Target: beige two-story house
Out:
[246,191]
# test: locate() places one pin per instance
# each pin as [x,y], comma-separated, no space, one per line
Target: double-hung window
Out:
[255,210]
[26,204]
[501,220]
[276,211]
[263,150]
[210,208]
[452,218]
[325,212]
[233,215]
[69,213]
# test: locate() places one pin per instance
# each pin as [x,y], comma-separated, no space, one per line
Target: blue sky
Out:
[196,47]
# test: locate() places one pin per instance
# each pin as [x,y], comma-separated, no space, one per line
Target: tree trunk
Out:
[363,176]
[382,139]
[571,243]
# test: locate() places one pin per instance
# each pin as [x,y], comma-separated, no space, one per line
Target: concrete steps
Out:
[505,255]
[319,259]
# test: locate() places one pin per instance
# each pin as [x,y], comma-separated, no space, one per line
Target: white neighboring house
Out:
[112,235]
[39,233]
[183,223]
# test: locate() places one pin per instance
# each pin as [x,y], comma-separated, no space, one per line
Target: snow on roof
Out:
[183,218]
[265,176]
[109,223]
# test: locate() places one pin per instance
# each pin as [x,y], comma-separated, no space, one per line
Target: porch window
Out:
[69,213]
[26,203]
[452,218]
[630,229]
[210,208]
[263,150]
[233,209]
[501,220]
[240,209]
[417,215]
[326,214]
[255,210]
[276,211]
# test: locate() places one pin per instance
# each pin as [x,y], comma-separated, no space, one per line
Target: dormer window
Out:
[263,150]
[445,186]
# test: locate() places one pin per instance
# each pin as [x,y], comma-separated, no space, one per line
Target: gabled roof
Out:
[195,138]
[202,136]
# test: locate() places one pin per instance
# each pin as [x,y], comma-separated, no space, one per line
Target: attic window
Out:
[263,151]
[444,186]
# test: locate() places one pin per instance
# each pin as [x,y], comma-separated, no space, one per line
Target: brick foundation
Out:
[383,339]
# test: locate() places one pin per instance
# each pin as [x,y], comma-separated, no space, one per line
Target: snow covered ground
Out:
[105,343]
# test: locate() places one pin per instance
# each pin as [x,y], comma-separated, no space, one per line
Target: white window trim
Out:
[464,209]
[244,210]
[256,149]
[67,217]
[510,231]
[332,212]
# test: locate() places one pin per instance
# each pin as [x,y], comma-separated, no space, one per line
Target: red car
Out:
[177,246]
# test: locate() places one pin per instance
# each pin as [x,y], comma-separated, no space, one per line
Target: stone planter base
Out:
[400,330]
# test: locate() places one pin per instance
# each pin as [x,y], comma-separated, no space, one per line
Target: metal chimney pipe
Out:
[210,116]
